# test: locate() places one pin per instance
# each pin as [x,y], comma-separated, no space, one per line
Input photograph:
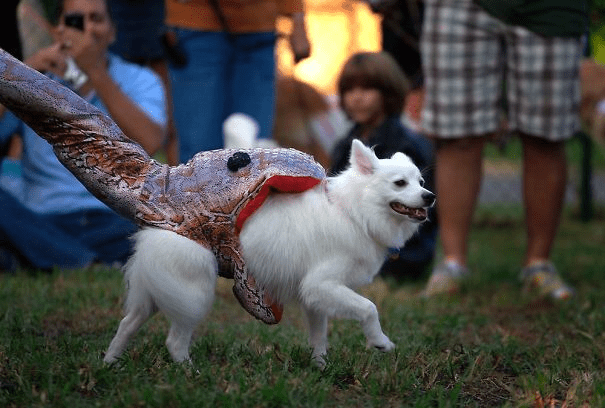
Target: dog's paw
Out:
[110,359]
[382,344]
[319,361]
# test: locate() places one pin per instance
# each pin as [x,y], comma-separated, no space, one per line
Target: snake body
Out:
[206,199]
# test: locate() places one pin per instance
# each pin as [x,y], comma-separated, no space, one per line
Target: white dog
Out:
[313,247]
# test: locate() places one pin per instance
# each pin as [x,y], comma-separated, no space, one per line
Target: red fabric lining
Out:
[283,184]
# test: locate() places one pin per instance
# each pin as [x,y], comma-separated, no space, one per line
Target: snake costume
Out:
[207,200]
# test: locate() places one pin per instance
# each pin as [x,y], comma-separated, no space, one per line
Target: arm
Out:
[129,117]
[299,41]
[90,56]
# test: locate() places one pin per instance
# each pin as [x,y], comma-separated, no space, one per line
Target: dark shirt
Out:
[550,18]
[387,139]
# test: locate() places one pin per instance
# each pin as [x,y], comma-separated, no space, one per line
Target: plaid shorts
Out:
[471,60]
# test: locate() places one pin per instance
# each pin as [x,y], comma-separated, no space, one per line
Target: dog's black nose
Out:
[429,198]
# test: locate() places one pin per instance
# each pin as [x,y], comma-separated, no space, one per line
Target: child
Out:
[372,90]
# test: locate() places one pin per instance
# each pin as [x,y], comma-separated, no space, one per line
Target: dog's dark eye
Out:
[421,182]
[401,183]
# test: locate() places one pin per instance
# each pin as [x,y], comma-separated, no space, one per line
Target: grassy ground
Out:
[511,152]
[489,346]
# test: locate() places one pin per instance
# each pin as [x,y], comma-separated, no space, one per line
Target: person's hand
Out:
[299,43]
[88,51]
[49,59]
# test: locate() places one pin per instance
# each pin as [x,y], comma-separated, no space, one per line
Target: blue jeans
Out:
[72,240]
[223,74]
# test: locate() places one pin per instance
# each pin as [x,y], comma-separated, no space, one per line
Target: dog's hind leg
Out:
[188,303]
[129,325]
[139,305]
[189,307]
[180,276]
[185,317]
[171,273]
[179,340]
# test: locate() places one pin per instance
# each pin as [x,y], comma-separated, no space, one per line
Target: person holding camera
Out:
[50,219]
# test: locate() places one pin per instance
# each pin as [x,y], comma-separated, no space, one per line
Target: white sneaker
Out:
[446,278]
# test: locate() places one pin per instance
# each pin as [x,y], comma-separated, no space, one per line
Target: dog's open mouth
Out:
[419,214]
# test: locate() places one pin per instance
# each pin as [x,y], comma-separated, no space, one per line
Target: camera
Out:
[74,20]
[74,76]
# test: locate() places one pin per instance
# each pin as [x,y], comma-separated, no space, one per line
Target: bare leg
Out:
[544,180]
[458,179]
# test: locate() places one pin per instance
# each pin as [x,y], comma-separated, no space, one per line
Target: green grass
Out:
[489,346]
[511,152]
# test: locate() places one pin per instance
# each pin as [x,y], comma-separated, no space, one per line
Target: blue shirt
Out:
[46,186]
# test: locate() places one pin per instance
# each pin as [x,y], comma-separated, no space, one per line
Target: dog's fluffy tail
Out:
[171,273]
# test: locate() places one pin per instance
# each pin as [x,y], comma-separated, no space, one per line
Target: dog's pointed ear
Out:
[363,159]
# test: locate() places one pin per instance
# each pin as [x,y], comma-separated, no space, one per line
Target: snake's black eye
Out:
[238,160]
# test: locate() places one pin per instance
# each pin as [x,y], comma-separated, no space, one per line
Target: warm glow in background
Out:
[336,29]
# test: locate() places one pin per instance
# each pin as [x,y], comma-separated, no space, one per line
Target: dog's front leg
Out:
[318,335]
[337,300]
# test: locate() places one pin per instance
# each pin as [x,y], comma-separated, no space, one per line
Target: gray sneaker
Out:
[446,278]
[544,279]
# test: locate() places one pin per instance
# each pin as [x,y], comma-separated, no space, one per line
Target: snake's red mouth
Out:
[419,214]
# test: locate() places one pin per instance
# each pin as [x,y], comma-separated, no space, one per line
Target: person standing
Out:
[468,49]
[223,61]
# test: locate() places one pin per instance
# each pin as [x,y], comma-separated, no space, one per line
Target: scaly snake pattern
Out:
[206,200]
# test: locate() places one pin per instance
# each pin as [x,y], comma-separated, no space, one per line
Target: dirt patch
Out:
[89,321]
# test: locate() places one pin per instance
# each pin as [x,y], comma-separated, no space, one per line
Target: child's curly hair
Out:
[377,70]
